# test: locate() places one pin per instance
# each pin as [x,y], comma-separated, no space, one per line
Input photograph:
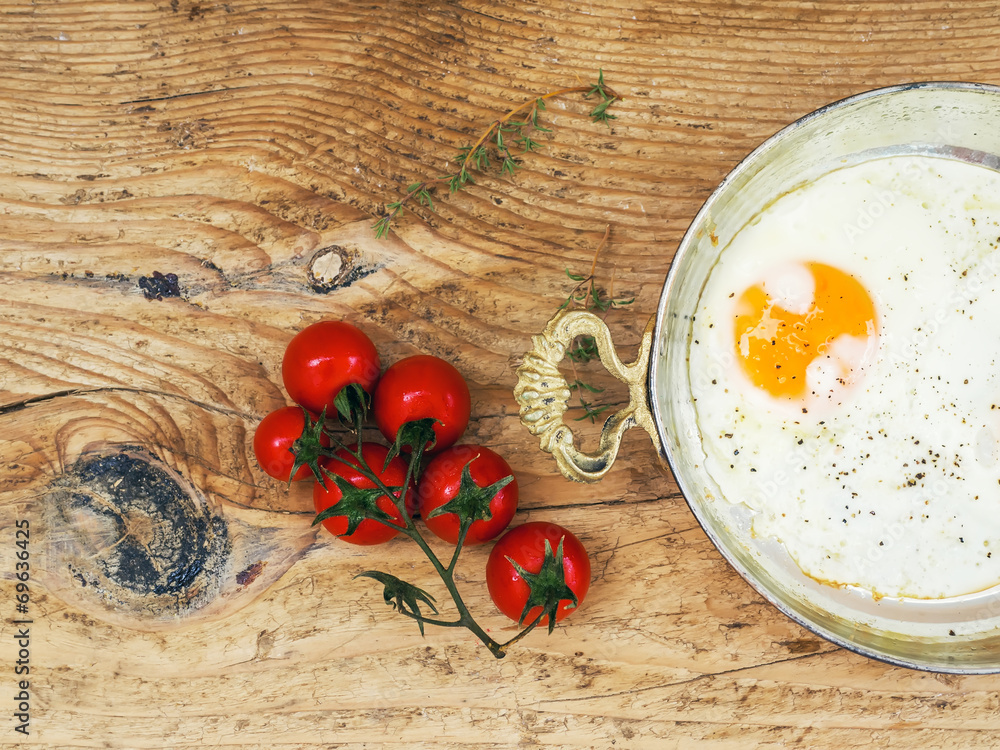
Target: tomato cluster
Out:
[464,494]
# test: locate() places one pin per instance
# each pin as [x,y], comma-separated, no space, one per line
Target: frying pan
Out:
[941,119]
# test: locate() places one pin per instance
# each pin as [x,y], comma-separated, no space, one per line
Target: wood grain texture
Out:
[245,148]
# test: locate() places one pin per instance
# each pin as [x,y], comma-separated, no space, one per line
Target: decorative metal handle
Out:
[544,394]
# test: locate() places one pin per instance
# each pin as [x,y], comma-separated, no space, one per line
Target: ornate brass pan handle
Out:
[543,394]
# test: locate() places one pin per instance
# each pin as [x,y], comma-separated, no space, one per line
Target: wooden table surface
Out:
[246,148]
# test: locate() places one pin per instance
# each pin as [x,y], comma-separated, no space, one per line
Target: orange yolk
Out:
[776,346]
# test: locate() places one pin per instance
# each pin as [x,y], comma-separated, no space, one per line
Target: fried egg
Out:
[845,371]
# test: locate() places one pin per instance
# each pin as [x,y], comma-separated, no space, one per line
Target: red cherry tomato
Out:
[273,441]
[440,482]
[369,531]
[323,358]
[419,387]
[525,545]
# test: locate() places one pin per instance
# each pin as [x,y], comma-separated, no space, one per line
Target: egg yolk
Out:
[776,346]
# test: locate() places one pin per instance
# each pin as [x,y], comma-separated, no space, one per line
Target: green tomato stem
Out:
[463,530]
[448,578]
[527,629]
[432,621]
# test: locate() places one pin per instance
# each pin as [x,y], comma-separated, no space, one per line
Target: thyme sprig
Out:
[507,139]
[588,295]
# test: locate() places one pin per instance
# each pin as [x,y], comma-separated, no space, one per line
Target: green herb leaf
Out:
[584,350]
[424,198]
[547,587]
[508,166]
[591,412]
[599,86]
[381,227]
[579,384]
[481,159]
[402,596]
[597,300]
[600,112]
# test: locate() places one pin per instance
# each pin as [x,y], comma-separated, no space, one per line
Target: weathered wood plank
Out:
[245,148]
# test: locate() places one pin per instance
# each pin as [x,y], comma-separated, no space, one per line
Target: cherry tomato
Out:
[419,387]
[440,482]
[323,358]
[273,441]
[369,531]
[525,545]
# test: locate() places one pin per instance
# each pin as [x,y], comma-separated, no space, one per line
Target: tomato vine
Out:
[547,588]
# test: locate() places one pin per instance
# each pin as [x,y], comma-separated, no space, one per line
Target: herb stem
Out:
[597,252]
[588,295]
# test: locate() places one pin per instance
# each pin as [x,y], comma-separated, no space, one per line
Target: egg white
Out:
[889,482]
